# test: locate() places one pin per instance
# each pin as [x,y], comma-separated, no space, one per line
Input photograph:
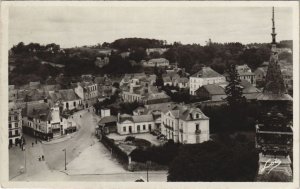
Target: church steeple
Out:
[273,28]
[274,85]
[273,32]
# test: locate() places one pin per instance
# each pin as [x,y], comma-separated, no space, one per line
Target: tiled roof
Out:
[207,72]
[185,112]
[64,95]
[160,95]
[182,80]
[107,119]
[35,95]
[39,111]
[188,114]
[125,117]
[142,118]
[167,79]
[214,89]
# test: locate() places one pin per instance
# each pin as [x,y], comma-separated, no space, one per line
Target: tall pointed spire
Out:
[273,32]
[273,28]
[274,85]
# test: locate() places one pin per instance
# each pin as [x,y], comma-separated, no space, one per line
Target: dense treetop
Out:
[81,60]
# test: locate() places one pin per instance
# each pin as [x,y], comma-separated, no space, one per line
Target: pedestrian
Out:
[39,158]
[32,144]
[43,158]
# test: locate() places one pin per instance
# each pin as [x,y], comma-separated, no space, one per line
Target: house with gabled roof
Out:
[67,98]
[45,122]
[185,124]
[204,77]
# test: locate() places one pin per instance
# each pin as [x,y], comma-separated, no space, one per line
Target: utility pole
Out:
[65,150]
[147,164]
[25,158]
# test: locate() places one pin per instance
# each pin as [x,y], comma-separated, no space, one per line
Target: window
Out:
[197,127]
[60,119]
[144,127]
[9,125]
[138,128]
[9,118]
[16,117]
[16,132]
[124,129]
[74,103]
[197,116]
[49,121]
[16,125]
[10,133]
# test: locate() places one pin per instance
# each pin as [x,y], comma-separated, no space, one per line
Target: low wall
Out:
[116,151]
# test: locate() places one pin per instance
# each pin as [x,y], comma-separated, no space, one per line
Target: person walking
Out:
[43,158]
[32,144]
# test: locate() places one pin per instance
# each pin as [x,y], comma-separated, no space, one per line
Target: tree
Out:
[215,161]
[159,80]
[234,90]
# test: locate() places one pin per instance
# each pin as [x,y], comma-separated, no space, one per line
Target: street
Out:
[87,158]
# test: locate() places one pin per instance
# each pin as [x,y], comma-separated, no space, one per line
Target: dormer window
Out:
[197,116]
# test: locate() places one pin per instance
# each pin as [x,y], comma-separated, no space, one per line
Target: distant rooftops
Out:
[206,72]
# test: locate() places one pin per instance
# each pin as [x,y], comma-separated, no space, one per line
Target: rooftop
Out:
[64,95]
[206,72]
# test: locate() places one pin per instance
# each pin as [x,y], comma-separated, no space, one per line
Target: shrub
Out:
[129,138]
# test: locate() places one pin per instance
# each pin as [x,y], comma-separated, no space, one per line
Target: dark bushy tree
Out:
[234,90]
[214,161]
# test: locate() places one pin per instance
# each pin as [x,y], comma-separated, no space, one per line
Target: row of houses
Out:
[208,76]
[177,122]
[140,88]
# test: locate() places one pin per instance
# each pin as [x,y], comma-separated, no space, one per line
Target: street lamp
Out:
[65,150]
[148,163]
[25,158]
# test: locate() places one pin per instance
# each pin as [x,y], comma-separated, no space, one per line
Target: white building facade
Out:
[128,124]
[185,125]
[14,126]
[204,77]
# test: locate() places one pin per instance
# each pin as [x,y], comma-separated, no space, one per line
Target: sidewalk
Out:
[96,159]
[30,160]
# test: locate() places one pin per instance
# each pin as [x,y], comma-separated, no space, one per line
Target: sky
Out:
[77,26]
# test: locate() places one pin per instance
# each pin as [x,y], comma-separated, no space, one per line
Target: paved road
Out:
[55,157]
[82,141]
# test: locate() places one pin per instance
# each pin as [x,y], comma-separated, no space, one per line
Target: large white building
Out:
[14,125]
[87,90]
[185,124]
[204,77]
[128,124]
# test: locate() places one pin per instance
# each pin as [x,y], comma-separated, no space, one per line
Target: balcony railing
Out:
[15,135]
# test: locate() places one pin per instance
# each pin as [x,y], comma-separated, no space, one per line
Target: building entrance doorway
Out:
[130,129]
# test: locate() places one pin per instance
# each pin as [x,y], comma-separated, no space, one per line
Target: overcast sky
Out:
[74,26]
